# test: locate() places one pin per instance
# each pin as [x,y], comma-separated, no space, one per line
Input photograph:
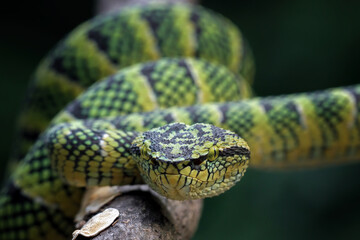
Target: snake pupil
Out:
[213,153]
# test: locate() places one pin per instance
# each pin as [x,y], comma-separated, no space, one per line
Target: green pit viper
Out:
[167,112]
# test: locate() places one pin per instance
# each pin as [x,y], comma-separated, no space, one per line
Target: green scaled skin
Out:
[85,156]
[100,47]
[189,162]
[178,161]
[90,54]
[109,134]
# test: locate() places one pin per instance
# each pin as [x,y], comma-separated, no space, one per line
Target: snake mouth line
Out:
[181,187]
[179,176]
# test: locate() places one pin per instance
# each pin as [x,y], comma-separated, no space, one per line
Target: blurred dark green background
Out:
[298,45]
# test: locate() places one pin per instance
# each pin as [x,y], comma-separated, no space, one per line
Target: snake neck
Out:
[84,156]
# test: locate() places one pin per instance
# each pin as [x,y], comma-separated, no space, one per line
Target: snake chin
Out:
[186,187]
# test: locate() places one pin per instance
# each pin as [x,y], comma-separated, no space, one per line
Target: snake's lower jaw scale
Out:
[184,187]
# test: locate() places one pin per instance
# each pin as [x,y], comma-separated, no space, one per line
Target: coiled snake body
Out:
[180,65]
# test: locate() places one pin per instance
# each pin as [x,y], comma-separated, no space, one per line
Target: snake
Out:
[159,94]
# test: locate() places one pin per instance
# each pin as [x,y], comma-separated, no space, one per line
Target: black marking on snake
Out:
[244,111]
[119,122]
[118,84]
[292,107]
[200,114]
[17,198]
[191,180]
[197,161]
[150,120]
[99,39]
[322,112]
[235,151]
[161,143]
[288,119]
[182,185]
[355,93]
[327,108]
[223,43]
[172,84]
[112,24]
[65,62]
[224,108]
[155,164]
[281,120]
[184,65]
[218,133]
[157,19]
[194,18]
[165,175]
[107,35]
[76,110]
[200,129]
[266,105]
[153,19]
[220,75]
[177,182]
[57,63]
[147,70]
[39,163]
[46,100]
[207,179]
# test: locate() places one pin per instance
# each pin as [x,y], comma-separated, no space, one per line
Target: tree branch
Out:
[143,213]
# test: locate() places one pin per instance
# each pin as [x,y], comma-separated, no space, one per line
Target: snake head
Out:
[190,162]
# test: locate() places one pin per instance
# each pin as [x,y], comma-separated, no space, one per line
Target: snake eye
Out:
[213,153]
[144,153]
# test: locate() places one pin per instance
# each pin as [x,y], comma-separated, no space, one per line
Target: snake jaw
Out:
[184,187]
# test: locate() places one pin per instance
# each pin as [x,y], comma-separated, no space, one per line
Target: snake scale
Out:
[168,111]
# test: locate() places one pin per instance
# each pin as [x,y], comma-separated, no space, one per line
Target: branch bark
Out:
[143,213]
